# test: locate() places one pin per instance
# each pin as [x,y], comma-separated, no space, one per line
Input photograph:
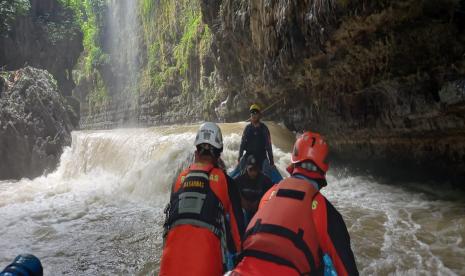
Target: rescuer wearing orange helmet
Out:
[204,220]
[296,230]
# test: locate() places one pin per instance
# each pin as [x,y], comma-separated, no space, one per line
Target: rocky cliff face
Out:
[45,36]
[169,46]
[383,80]
[35,120]
[35,123]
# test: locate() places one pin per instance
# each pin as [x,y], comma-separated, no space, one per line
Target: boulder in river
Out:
[35,123]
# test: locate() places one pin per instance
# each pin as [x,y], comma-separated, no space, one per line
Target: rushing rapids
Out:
[101,211]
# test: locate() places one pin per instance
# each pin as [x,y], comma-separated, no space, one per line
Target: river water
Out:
[101,211]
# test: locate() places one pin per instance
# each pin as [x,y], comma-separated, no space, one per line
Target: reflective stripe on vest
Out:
[197,174]
[195,203]
[283,229]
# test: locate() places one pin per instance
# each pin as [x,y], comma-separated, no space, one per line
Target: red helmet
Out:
[310,146]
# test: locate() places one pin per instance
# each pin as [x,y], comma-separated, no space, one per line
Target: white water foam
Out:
[101,211]
[396,231]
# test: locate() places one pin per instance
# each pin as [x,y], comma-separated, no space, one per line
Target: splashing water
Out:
[101,211]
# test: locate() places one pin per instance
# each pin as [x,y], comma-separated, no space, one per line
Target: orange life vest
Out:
[283,231]
[195,203]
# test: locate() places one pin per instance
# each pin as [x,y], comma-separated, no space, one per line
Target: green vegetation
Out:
[174,40]
[99,94]
[5,75]
[90,18]
[187,45]
[174,36]
[89,14]
[10,10]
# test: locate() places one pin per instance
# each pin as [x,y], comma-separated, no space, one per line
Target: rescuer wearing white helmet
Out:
[204,221]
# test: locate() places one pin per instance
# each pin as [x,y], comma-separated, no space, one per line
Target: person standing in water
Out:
[204,220]
[256,139]
[296,230]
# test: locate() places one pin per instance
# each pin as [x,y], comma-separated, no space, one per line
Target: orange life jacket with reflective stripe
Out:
[195,203]
[200,199]
[283,231]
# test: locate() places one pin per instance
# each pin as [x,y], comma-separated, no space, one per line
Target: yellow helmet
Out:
[255,107]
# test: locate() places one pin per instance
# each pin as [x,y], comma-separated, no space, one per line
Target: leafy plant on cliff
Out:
[60,30]
[10,10]
[175,37]
[99,94]
[90,17]
[187,44]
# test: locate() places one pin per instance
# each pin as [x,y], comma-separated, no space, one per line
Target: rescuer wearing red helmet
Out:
[296,230]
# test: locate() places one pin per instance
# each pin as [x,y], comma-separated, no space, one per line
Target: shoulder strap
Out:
[295,238]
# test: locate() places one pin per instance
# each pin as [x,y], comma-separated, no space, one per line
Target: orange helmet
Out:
[310,146]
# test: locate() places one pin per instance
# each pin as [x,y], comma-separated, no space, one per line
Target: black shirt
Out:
[257,141]
[252,190]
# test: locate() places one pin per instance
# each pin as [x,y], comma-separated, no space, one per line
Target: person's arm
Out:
[268,145]
[267,183]
[235,212]
[334,237]
[267,196]
[243,142]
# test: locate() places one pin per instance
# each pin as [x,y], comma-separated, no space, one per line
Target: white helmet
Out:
[209,133]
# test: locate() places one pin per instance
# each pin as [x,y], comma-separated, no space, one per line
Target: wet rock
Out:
[453,93]
[382,80]
[35,123]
